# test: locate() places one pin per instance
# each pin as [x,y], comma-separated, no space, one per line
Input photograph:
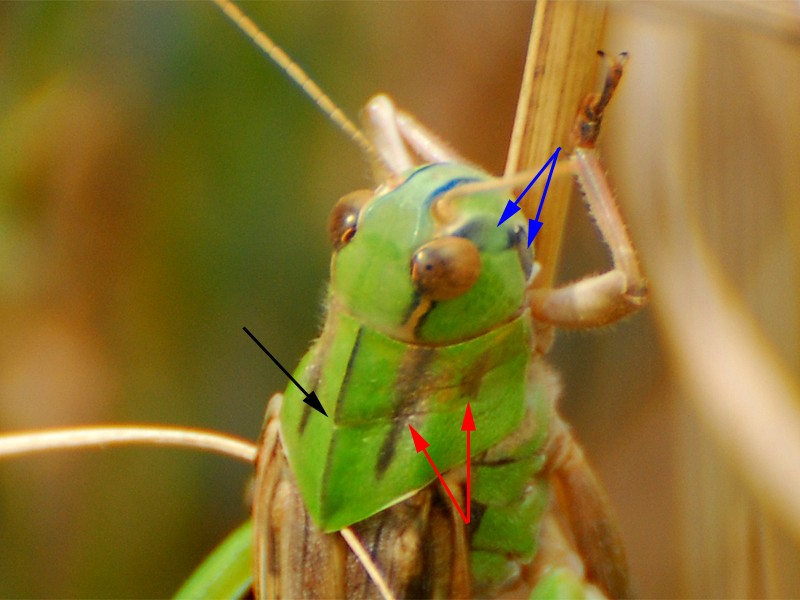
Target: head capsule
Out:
[426,272]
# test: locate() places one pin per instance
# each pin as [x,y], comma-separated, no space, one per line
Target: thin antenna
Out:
[300,77]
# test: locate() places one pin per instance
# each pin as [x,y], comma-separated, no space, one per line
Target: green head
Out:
[424,264]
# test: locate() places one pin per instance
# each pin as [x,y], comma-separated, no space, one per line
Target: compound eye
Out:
[445,268]
[344,217]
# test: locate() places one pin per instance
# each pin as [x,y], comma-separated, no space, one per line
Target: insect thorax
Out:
[426,313]
[361,459]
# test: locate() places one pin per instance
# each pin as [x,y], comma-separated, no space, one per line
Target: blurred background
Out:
[162,185]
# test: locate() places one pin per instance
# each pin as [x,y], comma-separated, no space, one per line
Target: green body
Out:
[388,357]
[373,384]
[361,458]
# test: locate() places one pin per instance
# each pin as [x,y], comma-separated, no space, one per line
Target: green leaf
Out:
[226,572]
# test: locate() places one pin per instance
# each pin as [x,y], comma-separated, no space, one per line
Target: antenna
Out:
[300,77]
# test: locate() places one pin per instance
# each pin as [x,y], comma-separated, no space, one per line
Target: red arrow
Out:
[468,425]
[421,445]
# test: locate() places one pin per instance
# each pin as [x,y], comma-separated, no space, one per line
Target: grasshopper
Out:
[430,306]
[543,307]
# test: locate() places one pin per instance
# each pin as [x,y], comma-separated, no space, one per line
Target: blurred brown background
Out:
[161,185]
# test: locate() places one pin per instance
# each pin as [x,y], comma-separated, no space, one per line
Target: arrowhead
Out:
[419,442]
[510,210]
[314,403]
[469,422]
[533,229]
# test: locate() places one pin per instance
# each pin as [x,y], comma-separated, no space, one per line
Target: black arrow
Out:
[310,399]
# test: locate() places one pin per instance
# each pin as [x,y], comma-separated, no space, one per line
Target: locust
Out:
[431,306]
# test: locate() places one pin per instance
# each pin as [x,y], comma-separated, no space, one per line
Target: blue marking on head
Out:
[443,189]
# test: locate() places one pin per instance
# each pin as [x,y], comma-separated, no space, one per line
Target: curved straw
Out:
[21,444]
[81,438]
[366,561]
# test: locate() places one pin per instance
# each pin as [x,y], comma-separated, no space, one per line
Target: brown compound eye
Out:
[445,268]
[344,217]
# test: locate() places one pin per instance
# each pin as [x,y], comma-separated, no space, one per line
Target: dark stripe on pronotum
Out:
[314,371]
[348,372]
[412,379]
[313,383]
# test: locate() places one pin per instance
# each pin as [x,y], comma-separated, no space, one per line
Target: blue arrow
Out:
[512,208]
